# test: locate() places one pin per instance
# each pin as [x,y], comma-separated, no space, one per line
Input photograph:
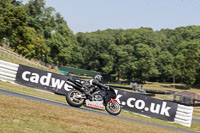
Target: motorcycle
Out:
[101,99]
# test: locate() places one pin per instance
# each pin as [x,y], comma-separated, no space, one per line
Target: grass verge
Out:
[33,92]
[21,116]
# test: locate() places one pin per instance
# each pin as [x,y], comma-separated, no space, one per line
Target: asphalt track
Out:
[11,93]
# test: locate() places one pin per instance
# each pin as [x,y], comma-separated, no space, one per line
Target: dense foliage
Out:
[35,30]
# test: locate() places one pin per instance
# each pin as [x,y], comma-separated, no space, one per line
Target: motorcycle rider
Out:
[93,84]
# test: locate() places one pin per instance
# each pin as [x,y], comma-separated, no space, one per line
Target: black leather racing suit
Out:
[93,84]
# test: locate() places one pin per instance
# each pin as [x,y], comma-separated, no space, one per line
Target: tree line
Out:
[168,55]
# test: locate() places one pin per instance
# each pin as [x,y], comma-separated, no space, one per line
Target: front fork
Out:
[113,101]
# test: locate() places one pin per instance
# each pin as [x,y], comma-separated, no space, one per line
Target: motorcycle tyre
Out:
[110,111]
[72,103]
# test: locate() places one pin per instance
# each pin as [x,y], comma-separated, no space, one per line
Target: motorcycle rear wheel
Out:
[73,100]
[113,107]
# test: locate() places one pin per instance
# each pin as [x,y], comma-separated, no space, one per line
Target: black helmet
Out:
[99,78]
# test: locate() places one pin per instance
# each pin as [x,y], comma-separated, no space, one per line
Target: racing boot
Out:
[89,94]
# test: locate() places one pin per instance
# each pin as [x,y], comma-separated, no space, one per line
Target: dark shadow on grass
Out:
[197,86]
[180,87]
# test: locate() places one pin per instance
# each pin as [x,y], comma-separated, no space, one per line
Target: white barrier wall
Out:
[9,70]
[184,115]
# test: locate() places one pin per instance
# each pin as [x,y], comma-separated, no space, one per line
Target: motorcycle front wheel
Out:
[113,107]
[73,98]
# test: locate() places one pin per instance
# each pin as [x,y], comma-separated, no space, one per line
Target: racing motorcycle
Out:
[101,99]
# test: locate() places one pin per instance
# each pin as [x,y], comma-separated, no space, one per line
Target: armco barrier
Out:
[130,101]
[184,115]
[8,71]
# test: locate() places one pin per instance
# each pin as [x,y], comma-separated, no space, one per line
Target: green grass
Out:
[33,92]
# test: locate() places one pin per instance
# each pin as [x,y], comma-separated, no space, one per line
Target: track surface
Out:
[10,93]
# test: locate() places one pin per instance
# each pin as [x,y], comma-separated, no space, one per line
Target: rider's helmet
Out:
[99,78]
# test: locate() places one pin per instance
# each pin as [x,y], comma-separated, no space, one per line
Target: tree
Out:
[63,44]
[35,9]
[30,44]
[191,52]
[12,19]
[145,62]
[165,67]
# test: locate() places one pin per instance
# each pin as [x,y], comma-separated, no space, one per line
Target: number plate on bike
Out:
[95,104]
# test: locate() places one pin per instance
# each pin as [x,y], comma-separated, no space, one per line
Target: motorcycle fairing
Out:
[95,104]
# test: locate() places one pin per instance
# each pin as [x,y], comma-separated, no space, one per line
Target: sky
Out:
[93,15]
